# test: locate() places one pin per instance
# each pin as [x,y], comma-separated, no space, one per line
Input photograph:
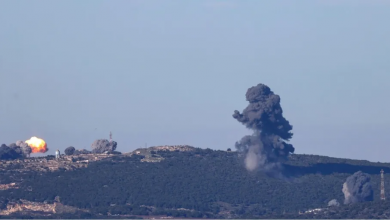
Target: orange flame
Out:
[37,145]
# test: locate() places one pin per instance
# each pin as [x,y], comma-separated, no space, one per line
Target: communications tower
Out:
[382,186]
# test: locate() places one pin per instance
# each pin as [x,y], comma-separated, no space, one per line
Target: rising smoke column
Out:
[267,147]
[357,188]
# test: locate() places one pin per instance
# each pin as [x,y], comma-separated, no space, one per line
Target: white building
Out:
[57,154]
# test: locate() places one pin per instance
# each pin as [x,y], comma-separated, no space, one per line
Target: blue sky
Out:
[172,72]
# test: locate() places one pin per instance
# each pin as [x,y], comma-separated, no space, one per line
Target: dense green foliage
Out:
[204,183]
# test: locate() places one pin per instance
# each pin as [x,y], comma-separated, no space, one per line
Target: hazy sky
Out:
[173,72]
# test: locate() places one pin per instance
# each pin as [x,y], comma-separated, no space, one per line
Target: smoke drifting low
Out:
[23,149]
[17,150]
[267,147]
[82,151]
[98,147]
[357,188]
[333,202]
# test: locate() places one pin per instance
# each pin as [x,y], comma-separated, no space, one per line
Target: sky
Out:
[172,72]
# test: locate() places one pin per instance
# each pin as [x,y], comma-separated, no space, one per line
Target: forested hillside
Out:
[199,183]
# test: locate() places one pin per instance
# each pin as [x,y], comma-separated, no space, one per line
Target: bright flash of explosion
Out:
[37,145]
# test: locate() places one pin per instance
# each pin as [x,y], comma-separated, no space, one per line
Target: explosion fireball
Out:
[37,145]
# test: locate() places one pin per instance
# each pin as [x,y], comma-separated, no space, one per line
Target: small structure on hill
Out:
[57,154]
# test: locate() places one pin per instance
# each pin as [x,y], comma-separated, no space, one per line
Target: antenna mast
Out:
[382,186]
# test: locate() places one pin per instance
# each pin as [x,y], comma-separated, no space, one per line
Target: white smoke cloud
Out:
[254,159]
[251,161]
[357,188]
[347,194]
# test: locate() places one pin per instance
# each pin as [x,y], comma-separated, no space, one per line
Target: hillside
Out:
[190,183]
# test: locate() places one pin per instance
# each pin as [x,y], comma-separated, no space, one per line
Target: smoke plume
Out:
[14,151]
[102,145]
[82,151]
[70,150]
[25,148]
[357,188]
[333,202]
[267,147]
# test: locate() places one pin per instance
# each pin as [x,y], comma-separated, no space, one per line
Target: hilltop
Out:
[179,181]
